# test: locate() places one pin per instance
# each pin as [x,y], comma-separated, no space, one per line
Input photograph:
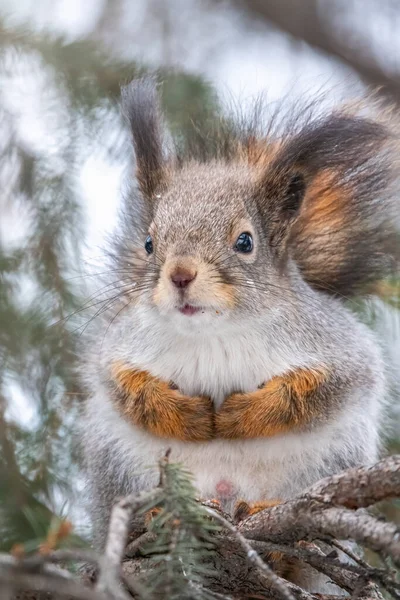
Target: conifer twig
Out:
[58,556]
[133,547]
[320,513]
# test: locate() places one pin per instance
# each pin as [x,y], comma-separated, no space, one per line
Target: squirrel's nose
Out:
[182,277]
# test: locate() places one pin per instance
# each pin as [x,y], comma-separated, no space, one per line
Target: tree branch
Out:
[110,563]
[276,582]
[330,509]
[318,514]
[302,20]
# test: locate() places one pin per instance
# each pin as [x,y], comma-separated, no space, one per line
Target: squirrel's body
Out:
[226,338]
[214,363]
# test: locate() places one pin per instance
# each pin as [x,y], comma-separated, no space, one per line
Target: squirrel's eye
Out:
[148,245]
[244,243]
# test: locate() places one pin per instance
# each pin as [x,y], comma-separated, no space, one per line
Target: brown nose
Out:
[181,278]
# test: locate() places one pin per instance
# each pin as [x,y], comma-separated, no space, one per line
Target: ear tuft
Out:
[141,107]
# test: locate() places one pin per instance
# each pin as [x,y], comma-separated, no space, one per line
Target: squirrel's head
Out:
[207,240]
[206,243]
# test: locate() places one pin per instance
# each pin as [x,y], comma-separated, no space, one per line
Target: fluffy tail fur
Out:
[346,238]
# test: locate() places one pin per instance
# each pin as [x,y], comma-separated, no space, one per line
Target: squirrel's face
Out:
[205,242]
[205,256]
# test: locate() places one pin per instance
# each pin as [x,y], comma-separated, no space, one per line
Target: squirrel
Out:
[228,338]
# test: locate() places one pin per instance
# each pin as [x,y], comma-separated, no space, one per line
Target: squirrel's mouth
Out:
[189,310]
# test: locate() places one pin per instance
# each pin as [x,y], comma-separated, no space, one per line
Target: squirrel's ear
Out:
[341,146]
[280,202]
[141,107]
[293,196]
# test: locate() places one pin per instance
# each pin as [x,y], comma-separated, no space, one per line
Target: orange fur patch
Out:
[324,215]
[325,202]
[258,152]
[243,509]
[224,294]
[152,405]
[285,403]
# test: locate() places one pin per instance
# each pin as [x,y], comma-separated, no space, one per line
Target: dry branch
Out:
[252,556]
[327,509]
[109,581]
[333,508]
[311,22]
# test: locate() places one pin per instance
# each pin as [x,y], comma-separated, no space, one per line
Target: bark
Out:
[334,508]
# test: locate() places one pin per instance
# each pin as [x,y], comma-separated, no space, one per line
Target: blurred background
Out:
[64,158]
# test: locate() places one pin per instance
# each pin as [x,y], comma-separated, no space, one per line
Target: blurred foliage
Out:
[183,543]
[78,86]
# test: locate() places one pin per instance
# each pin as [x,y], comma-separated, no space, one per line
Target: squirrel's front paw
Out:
[169,413]
[160,408]
[284,403]
[234,420]
[190,418]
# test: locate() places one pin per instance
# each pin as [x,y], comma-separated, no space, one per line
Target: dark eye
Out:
[244,243]
[148,245]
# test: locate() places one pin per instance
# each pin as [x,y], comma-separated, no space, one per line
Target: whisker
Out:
[112,321]
[79,310]
[98,313]
[98,274]
[108,302]
[118,283]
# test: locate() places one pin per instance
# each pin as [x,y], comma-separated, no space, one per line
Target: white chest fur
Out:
[214,366]
[203,358]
